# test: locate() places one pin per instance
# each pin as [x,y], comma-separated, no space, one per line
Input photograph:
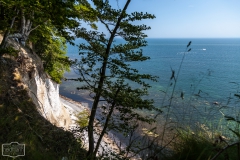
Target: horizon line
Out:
[193,37]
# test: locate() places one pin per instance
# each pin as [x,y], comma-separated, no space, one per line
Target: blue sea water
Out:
[210,73]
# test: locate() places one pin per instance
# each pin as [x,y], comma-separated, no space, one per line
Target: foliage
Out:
[9,51]
[65,16]
[47,27]
[105,69]
[200,145]
[52,50]
[192,145]
[83,118]
[234,126]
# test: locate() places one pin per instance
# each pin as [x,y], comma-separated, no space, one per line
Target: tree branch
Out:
[105,25]
[106,122]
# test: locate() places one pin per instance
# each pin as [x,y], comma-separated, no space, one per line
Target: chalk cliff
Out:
[44,93]
[42,90]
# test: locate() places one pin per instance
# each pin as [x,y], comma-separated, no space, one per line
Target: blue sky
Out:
[189,18]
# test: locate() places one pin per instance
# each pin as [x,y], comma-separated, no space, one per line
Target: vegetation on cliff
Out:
[42,27]
[21,122]
[104,67]
[46,27]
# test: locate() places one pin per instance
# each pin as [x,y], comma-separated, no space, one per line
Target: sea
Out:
[208,82]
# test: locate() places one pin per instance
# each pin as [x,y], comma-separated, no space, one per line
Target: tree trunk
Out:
[106,123]
[25,29]
[90,154]
[6,34]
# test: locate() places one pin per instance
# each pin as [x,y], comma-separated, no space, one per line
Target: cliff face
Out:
[44,93]
[42,90]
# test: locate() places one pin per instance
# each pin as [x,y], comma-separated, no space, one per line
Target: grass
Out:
[21,122]
[192,146]
[203,144]
[188,140]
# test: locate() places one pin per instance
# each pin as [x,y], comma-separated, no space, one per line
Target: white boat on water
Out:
[204,49]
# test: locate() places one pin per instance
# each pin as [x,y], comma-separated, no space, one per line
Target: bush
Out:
[83,118]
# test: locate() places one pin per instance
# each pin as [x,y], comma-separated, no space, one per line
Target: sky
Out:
[189,18]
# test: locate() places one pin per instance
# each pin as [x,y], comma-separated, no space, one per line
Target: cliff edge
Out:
[30,105]
[29,74]
[42,90]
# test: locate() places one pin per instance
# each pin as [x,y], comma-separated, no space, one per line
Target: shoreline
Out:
[108,142]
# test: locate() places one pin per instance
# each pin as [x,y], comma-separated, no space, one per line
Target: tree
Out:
[105,69]
[52,49]
[46,26]
[22,17]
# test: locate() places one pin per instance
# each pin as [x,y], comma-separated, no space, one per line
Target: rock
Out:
[42,90]
[216,103]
